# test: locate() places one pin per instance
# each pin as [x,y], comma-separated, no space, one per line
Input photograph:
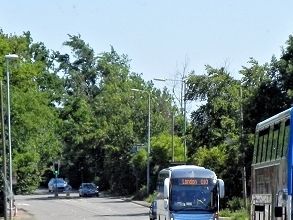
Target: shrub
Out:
[235,203]
[236,209]
[141,193]
[151,197]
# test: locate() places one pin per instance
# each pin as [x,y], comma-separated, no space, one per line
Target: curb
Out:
[142,203]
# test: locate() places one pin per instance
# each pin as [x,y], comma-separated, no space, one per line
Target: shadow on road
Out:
[44,195]
[117,201]
[122,215]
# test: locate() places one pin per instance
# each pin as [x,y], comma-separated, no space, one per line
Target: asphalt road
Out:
[47,207]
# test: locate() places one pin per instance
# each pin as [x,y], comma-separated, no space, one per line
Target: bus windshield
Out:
[192,195]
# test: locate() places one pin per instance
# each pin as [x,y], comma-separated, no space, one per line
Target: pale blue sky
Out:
[159,35]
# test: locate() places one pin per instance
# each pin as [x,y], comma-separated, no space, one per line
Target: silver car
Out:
[60,183]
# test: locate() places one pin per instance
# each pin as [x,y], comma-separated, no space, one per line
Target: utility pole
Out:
[242,148]
[173,123]
[185,149]
[149,143]
[244,187]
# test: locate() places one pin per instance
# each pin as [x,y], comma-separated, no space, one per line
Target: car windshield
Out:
[89,186]
[58,180]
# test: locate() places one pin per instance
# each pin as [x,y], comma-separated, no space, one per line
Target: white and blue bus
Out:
[188,192]
[271,169]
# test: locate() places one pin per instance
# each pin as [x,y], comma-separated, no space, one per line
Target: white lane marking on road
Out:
[22,204]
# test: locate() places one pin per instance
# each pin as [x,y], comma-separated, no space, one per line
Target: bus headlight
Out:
[171,217]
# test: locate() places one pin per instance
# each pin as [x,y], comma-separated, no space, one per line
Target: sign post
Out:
[56,172]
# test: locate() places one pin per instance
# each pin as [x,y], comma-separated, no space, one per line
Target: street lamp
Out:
[183,91]
[149,137]
[241,144]
[8,58]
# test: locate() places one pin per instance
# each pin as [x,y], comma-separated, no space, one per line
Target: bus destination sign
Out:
[194,181]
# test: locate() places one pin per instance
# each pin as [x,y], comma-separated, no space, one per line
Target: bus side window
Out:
[160,185]
[265,144]
[270,145]
[260,145]
[286,137]
[256,142]
[275,141]
[281,139]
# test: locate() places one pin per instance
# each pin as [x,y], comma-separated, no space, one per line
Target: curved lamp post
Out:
[8,58]
[183,96]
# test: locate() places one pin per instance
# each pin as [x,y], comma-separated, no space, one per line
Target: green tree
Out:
[284,70]
[219,116]
[216,125]
[214,158]
[34,119]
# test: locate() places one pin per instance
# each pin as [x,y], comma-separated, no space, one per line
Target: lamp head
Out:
[159,79]
[11,56]
[137,90]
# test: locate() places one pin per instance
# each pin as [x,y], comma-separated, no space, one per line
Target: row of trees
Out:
[222,130]
[79,108]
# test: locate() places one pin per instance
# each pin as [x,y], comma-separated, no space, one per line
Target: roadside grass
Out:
[241,214]
[236,209]
[150,198]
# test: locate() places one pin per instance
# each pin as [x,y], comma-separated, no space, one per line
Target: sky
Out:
[161,37]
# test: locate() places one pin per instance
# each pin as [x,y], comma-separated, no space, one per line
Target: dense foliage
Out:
[80,109]
[222,128]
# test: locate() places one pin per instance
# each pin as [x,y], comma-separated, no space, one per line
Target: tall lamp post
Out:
[8,58]
[241,143]
[183,81]
[149,136]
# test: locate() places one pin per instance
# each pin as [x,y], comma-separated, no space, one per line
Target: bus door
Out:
[261,207]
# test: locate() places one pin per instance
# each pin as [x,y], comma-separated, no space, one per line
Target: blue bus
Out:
[188,192]
[271,169]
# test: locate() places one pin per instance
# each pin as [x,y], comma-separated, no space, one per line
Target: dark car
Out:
[88,189]
[153,211]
